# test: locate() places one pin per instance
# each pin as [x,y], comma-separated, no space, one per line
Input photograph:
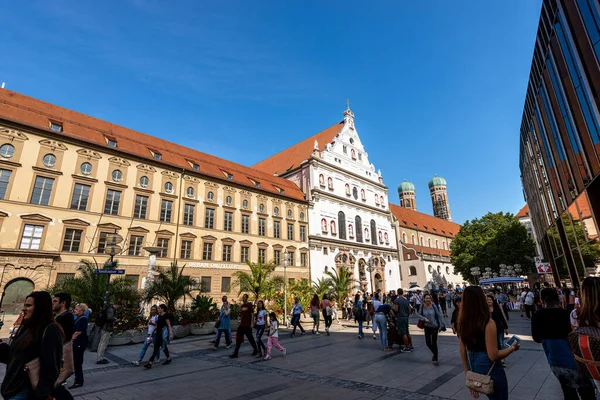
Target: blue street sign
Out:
[110,271]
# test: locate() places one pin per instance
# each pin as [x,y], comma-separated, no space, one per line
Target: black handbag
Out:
[217,324]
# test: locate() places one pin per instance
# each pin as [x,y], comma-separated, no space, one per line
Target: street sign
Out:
[110,271]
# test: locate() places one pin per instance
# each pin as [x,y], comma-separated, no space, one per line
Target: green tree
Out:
[259,281]
[169,286]
[89,287]
[489,241]
[341,282]
[301,289]
[321,286]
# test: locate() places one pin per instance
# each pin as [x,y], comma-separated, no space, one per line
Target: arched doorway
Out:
[14,295]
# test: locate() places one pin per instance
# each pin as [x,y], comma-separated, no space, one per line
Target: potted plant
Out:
[129,327]
[182,326]
[204,314]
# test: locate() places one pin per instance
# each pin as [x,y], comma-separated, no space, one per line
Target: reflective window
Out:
[49,160]
[168,187]
[144,181]
[117,175]
[4,180]
[591,19]
[86,168]
[7,150]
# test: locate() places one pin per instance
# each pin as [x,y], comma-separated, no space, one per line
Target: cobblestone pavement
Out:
[336,367]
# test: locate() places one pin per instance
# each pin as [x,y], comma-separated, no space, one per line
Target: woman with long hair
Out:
[479,342]
[498,316]
[261,317]
[38,337]
[359,314]
[314,314]
[164,334]
[327,312]
[150,336]
[430,314]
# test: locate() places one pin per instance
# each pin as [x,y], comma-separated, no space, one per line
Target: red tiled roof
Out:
[428,250]
[422,222]
[291,157]
[524,212]
[36,113]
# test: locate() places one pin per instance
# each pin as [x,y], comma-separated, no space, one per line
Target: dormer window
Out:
[345,149]
[194,166]
[111,142]
[230,177]
[156,155]
[56,126]
[257,184]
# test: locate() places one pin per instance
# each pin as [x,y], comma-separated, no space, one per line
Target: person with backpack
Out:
[434,324]
[106,321]
[357,311]
[297,309]
[550,326]
[585,340]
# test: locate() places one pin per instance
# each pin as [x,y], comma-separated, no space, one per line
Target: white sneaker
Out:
[267,358]
[228,346]
[136,363]
[317,333]
[374,337]
[284,352]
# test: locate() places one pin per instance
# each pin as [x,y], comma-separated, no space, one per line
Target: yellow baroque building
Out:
[67,180]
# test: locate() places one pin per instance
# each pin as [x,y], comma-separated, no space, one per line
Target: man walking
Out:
[528,302]
[107,324]
[245,327]
[61,302]
[403,309]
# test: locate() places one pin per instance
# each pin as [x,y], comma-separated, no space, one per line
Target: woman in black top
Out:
[80,342]
[479,342]
[38,337]
[164,334]
[498,317]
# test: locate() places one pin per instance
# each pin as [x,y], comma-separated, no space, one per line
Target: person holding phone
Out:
[551,326]
[479,342]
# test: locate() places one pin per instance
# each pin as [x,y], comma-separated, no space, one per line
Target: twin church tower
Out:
[439,197]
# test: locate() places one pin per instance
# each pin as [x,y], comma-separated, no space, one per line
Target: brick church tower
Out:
[439,198]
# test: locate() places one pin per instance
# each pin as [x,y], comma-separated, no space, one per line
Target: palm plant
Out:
[89,287]
[170,285]
[302,289]
[258,281]
[341,282]
[321,287]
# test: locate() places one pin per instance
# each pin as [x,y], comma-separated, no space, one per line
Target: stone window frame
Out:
[75,223]
[52,194]
[162,236]
[36,220]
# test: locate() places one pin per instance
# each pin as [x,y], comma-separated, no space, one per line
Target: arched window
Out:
[444,245]
[439,269]
[276,211]
[362,195]
[355,193]
[412,270]
[437,244]
[386,238]
[330,183]
[324,225]
[404,237]
[347,186]
[377,199]
[422,241]
[322,180]
[373,232]
[333,231]
[342,224]
[428,242]
[367,237]
[408,203]
[430,269]
[448,270]
[359,232]
[350,231]
[413,239]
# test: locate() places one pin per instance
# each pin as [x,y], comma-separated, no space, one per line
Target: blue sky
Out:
[437,86]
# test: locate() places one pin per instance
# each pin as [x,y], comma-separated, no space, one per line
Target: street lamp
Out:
[369,270]
[112,248]
[476,271]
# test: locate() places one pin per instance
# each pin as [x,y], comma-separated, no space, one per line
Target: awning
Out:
[504,279]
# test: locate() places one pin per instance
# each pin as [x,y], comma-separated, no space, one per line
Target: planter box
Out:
[120,339]
[201,329]
[138,335]
[180,331]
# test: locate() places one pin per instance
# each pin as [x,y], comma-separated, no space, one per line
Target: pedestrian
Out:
[224,324]
[61,302]
[273,338]
[106,320]
[80,342]
[429,313]
[571,301]
[297,309]
[479,342]
[368,304]
[314,314]
[550,326]
[150,335]
[38,337]
[454,318]
[375,305]
[502,300]
[402,309]
[357,311]
[418,301]
[245,328]
[381,313]
[164,334]
[498,317]
[585,340]
[260,320]
[528,302]
[442,302]
[334,311]
[449,299]
[327,312]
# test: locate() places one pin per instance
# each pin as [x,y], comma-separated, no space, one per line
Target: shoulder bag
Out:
[420,322]
[477,382]
[33,367]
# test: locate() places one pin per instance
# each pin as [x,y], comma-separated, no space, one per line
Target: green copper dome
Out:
[437,181]
[406,187]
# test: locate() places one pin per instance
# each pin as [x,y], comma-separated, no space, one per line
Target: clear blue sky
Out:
[437,86]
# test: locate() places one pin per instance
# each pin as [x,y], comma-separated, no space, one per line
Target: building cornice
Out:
[327,194]
[314,240]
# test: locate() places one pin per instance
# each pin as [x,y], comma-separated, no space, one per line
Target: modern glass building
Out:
[560,137]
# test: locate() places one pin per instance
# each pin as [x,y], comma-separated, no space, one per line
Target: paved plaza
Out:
[336,367]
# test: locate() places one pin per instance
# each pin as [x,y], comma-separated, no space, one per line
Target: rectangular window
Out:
[113,200]
[261,226]
[4,179]
[262,255]
[228,221]
[245,223]
[244,254]
[186,249]
[163,244]
[205,284]
[591,20]
[277,257]
[56,127]
[225,284]
[188,214]
[303,259]
[166,209]
[61,276]
[81,194]
[325,250]
[227,252]
[276,229]
[72,240]
[209,218]
[101,243]
[302,233]
[141,206]
[291,258]
[32,237]
[42,189]
[135,245]
[207,251]
[111,142]
[290,232]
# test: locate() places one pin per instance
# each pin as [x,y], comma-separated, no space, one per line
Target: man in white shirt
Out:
[528,301]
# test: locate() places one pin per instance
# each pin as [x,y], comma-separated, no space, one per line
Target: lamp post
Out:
[369,270]
[112,248]
[285,264]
